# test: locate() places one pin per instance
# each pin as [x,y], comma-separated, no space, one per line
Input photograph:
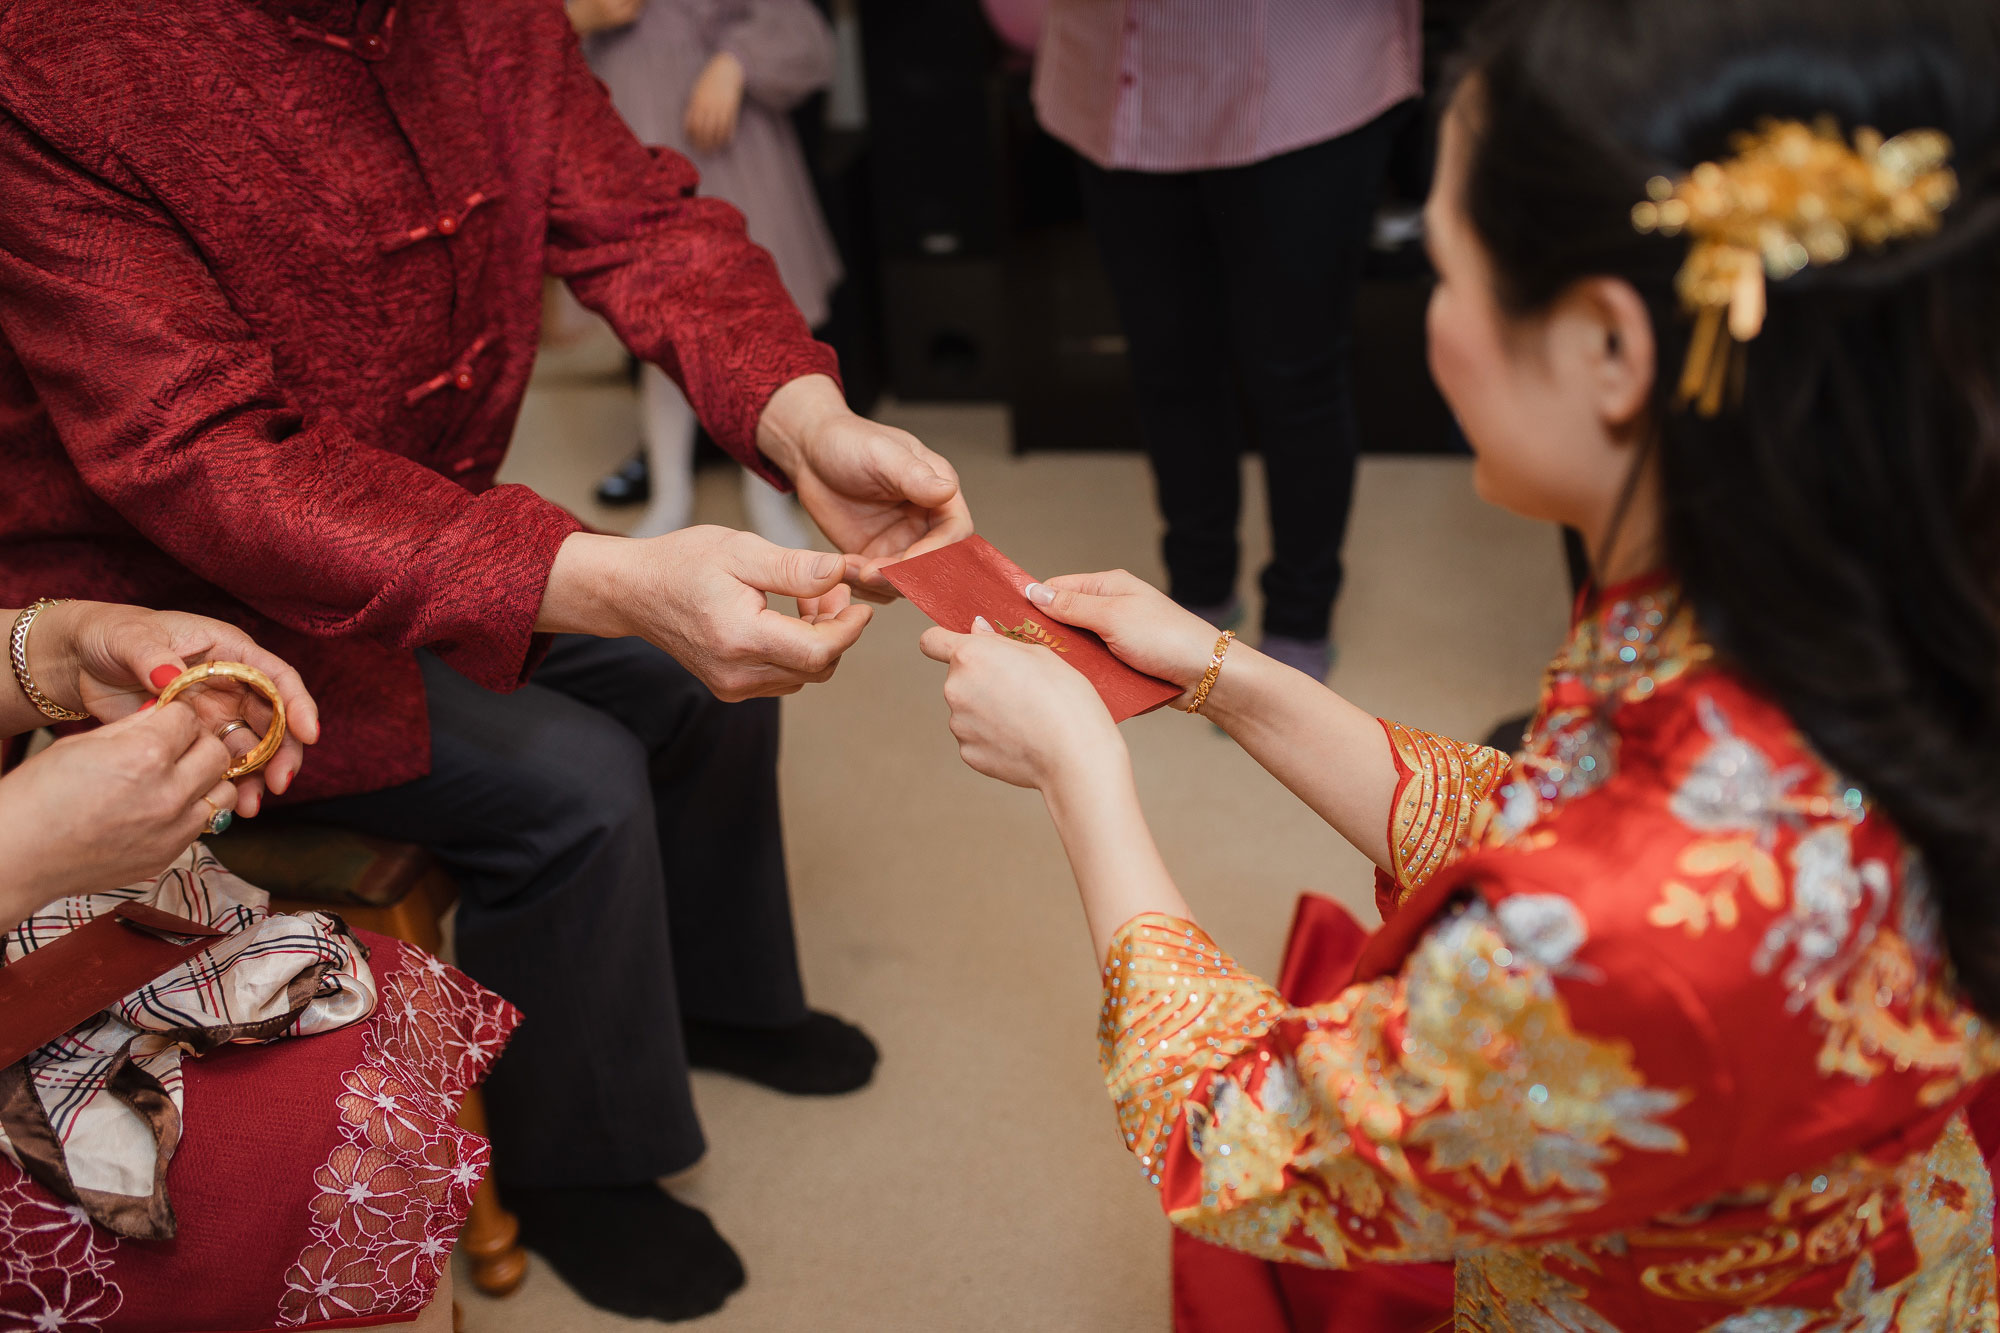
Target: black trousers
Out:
[1236,288]
[614,832]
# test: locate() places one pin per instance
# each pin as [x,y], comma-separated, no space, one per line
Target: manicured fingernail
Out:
[1039,595]
[827,567]
[979,625]
[162,677]
[148,704]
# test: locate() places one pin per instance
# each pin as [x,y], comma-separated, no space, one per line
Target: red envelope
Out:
[46,993]
[970,578]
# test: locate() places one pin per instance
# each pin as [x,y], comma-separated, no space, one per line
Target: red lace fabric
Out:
[321,1181]
[270,288]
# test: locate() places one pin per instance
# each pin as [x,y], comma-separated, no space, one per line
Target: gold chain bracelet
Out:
[18,650]
[1214,670]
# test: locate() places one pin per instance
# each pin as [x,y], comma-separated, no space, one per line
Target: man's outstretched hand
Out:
[875,491]
[701,594]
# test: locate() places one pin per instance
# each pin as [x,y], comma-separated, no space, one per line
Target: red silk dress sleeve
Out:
[675,273]
[1451,1107]
[1440,785]
[171,410]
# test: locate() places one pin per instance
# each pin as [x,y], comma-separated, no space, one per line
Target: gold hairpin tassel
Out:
[1699,378]
[1794,196]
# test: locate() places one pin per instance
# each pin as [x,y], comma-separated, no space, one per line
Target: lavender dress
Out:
[787,54]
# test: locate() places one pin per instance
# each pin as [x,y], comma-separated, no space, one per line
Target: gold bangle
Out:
[256,680]
[18,648]
[1214,670]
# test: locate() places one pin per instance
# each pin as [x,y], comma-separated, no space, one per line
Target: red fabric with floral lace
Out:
[270,287]
[321,1182]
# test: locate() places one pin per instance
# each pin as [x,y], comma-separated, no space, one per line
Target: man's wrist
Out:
[793,418]
[586,592]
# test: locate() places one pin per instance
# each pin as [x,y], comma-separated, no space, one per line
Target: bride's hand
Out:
[1142,625]
[1019,712]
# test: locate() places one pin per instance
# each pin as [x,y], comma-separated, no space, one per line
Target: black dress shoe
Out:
[634,1250]
[819,1056]
[631,484]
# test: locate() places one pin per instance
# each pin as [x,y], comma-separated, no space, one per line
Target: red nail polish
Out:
[162,677]
[148,704]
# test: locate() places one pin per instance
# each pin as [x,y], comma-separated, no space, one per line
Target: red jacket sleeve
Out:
[676,275]
[171,410]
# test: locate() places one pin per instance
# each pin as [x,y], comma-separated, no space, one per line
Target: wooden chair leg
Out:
[492,1238]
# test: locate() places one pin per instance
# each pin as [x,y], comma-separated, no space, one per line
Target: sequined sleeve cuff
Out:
[1440,783]
[1174,1006]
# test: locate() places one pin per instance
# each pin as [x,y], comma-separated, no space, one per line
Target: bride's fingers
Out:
[941,645]
[1105,583]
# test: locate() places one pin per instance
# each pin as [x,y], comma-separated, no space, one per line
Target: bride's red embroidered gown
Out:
[1658,1033]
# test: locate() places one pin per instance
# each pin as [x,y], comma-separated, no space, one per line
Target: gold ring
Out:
[235,724]
[256,680]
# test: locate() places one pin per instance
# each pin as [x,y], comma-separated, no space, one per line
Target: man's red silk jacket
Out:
[270,282]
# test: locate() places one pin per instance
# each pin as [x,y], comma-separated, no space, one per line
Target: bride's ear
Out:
[1606,337]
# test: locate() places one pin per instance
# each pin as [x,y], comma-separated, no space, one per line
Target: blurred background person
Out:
[716,80]
[1232,161]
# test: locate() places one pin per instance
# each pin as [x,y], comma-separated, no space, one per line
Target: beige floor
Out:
[978,1184]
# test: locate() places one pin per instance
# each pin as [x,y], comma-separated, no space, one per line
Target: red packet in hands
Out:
[969,578]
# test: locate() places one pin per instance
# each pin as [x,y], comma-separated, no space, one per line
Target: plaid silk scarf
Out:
[95,1115]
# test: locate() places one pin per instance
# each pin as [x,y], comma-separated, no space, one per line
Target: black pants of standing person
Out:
[1236,289]
[614,832]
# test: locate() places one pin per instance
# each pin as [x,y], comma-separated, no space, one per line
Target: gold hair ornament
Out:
[1793,196]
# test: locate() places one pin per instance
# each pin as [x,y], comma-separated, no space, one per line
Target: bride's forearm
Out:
[1332,755]
[1118,869]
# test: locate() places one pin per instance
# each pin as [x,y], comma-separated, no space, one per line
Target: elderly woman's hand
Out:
[109,807]
[109,661]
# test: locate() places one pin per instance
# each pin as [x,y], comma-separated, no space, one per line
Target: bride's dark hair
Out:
[1838,525]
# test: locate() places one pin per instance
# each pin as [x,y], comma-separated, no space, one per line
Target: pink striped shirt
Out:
[1182,85]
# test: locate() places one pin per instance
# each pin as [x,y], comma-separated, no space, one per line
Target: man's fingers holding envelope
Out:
[778,569]
[770,652]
